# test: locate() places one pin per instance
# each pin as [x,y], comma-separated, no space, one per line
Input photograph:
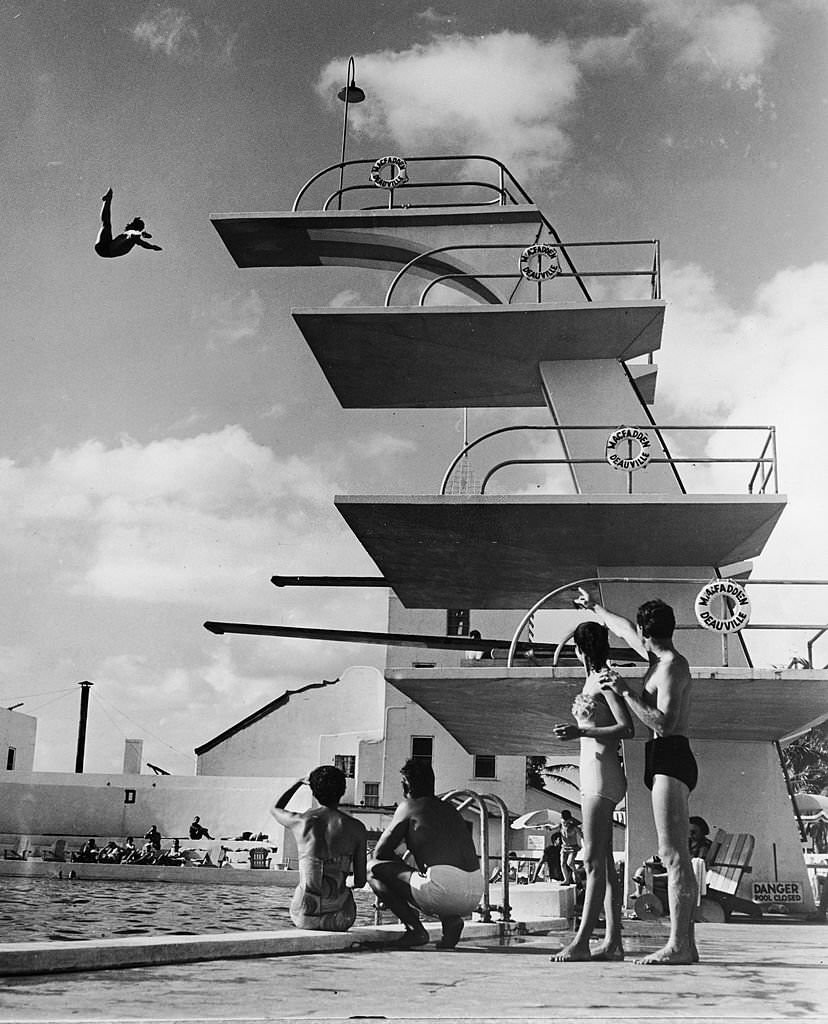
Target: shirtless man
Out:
[132,235]
[446,881]
[331,845]
[670,772]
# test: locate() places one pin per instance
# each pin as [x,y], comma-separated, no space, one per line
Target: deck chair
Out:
[259,857]
[20,853]
[728,861]
[58,851]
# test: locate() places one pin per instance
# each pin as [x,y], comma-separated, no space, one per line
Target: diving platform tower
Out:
[490,308]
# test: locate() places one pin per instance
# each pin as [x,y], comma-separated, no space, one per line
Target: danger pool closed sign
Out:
[777,892]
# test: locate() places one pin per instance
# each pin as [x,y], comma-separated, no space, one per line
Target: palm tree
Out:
[806,760]
[537,772]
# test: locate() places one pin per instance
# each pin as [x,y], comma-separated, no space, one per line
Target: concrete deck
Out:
[509,711]
[749,973]
[504,551]
[468,356]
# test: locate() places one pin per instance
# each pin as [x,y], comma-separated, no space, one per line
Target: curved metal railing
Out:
[464,797]
[765,465]
[673,580]
[653,272]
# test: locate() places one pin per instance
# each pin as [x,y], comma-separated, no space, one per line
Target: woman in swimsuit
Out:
[602,719]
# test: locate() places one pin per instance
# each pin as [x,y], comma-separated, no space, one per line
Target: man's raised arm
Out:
[617,624]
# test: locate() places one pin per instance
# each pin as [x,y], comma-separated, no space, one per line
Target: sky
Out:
[168,441]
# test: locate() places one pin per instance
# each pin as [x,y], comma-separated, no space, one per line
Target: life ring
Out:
[631,462]
[399,176]
[734,620]
[541,249]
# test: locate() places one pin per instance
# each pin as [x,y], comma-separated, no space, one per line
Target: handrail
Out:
[503,173]
[480,800]
[648,579]
[811,642]
[497,246]
[573,461]
[763,459]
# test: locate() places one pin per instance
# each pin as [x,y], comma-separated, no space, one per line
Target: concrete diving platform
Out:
[469,356]
[512,711]
[385,239]
[493,551]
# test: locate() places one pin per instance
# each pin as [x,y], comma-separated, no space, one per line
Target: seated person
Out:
[198,831]
[699,843]
[154,838]
[331,845]
[88,852]
[445,880]
[128,852]
[699,837]
[110,854]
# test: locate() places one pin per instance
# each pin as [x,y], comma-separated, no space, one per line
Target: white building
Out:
[17,740]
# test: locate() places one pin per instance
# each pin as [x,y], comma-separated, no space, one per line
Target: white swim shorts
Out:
[445,891]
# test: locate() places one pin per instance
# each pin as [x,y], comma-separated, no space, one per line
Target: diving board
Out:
[512,711]
[506,551]
[472,356]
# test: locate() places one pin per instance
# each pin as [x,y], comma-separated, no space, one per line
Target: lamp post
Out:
[351,93]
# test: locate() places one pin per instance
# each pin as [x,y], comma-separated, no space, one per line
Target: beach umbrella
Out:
[544,817]
[809,803]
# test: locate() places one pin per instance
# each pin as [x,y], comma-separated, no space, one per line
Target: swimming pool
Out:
[36,909]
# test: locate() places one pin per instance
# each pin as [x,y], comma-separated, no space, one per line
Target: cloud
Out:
[347,297]
[763,365]
[228,321]
[508,94]
[382,445]
[174,33]
[174,519]
[720,41]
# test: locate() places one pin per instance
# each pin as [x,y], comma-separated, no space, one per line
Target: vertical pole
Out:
[84,713]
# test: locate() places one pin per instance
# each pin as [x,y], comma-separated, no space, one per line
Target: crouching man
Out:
[444,880]
[331,845]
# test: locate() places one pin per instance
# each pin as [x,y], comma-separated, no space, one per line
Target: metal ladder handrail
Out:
[464,798]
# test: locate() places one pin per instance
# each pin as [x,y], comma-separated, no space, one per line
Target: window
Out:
[370,794]
[422,748]
[484,766]
[129,796]
[346,763]
[11,757]
[457,622]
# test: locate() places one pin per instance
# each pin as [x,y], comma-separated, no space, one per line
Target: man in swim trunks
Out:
[132,235]
[663,705]
[446,881]
[331,845]
[571,841]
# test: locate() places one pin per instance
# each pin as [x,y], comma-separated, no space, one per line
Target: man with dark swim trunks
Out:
[663,705]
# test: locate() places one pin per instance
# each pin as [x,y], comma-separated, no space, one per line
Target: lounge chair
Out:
[259,858]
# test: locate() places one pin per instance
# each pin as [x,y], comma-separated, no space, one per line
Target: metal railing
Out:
[765,465]
[462,798]
[653,272]
[701,581]
[509,192]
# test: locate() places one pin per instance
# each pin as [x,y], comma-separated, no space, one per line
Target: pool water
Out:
[36,909]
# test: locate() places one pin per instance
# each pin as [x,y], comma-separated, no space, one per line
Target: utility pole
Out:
[84,712]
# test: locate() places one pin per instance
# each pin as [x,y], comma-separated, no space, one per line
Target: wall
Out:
[741,789]
[54,803]
[285,743]
[18,731]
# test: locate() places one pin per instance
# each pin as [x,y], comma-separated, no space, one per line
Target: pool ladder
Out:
[463,798]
